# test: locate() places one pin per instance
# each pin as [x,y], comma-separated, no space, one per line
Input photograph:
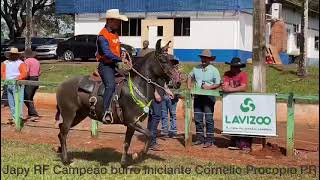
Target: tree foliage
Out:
[45,22]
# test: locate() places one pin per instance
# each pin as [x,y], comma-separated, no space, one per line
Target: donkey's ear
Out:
[167,45]
[158,46]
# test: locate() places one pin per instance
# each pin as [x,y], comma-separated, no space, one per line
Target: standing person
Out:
[14,69]
[236,80]
[154,118]
[145,50]
[206,76]
[108,55]
[33,75]
[169,104]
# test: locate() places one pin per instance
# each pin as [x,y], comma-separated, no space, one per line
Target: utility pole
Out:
[259,47]
[302,63]
[28,24]
[259,50]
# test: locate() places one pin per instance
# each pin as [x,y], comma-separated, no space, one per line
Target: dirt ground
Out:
[112,137]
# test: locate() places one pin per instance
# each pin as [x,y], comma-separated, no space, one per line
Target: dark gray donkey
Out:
[73,104]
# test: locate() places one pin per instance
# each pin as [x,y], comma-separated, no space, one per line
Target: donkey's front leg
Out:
[147,134]
[126,145]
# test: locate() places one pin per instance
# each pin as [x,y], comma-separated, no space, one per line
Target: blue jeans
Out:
[171,105]
[11,90]
[106,72]
[204,107]
[153,121]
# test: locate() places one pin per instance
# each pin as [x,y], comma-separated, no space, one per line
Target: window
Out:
[81,38]
[181,27]
[316,43]
[132,27]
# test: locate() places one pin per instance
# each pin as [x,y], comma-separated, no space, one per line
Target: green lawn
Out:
[106,162]
[277,81]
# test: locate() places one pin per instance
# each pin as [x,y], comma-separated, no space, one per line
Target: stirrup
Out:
[106,120]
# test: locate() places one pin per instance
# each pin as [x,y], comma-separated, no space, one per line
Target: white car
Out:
[49,50]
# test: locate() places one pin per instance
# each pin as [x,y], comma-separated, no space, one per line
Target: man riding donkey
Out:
[109,55]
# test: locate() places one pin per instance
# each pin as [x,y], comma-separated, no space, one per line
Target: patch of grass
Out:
[284,81]
[22,155]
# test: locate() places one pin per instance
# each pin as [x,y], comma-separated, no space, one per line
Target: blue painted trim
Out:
[222,55]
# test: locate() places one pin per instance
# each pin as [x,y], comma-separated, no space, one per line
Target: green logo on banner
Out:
[247,105]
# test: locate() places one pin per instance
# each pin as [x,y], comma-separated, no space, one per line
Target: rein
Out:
[148,80]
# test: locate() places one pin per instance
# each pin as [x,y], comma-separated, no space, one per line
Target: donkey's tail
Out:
[57,118]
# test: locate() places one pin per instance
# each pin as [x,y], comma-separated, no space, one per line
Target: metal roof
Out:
[100,6]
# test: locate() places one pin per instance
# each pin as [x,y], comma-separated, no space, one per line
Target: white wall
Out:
[206,33]
[245,32]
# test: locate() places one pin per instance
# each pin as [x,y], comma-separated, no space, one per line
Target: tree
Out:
[13,12]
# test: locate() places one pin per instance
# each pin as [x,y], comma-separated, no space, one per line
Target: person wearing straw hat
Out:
[33,75]
[108,55]
[207,77]
[14,69]
[236,80]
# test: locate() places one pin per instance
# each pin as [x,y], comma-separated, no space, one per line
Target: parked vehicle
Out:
[84,47]
[49,50]
[20,44]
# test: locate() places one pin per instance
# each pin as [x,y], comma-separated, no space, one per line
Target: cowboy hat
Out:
[207,53]
[174,59]
[13,50]
[236,62]
[115,14]
[28,53]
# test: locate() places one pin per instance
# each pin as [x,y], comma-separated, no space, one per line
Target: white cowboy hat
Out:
[12,51]
[115,14]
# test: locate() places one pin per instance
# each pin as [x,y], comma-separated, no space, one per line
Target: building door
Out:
[149,32]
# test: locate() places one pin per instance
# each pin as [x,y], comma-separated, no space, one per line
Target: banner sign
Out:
[249,114]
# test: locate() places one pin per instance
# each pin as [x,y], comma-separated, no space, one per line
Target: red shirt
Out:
[235,80]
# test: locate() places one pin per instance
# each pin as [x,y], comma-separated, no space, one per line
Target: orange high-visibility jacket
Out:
[114,44]
[17,70]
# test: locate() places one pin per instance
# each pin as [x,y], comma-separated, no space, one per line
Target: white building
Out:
[225,27]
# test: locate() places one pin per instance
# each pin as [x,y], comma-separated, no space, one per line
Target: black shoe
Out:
[156,147]
[208,145]
[196,143]
[173,136]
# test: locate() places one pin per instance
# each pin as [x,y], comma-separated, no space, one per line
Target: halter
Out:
[144,106]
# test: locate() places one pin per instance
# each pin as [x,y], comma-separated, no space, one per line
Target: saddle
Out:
[92,84]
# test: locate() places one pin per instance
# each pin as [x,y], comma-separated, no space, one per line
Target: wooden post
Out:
[94,128]
[290,126]
[28,24]
[17,119]
[187,107]
[259,49]
[302,63]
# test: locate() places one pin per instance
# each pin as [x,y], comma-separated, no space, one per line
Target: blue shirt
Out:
[208,75]
[103,48]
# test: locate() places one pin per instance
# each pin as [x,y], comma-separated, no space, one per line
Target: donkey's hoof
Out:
[135,156]
[57,149]
[67,162]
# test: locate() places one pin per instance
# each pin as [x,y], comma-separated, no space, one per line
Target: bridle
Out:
[148,80]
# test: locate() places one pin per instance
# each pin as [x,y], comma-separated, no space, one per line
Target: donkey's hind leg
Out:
[68,118]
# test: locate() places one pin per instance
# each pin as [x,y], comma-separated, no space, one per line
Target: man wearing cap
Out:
[108,55]
[207,77]
[236,80]
[145,50]
[33,75]
[14,69]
